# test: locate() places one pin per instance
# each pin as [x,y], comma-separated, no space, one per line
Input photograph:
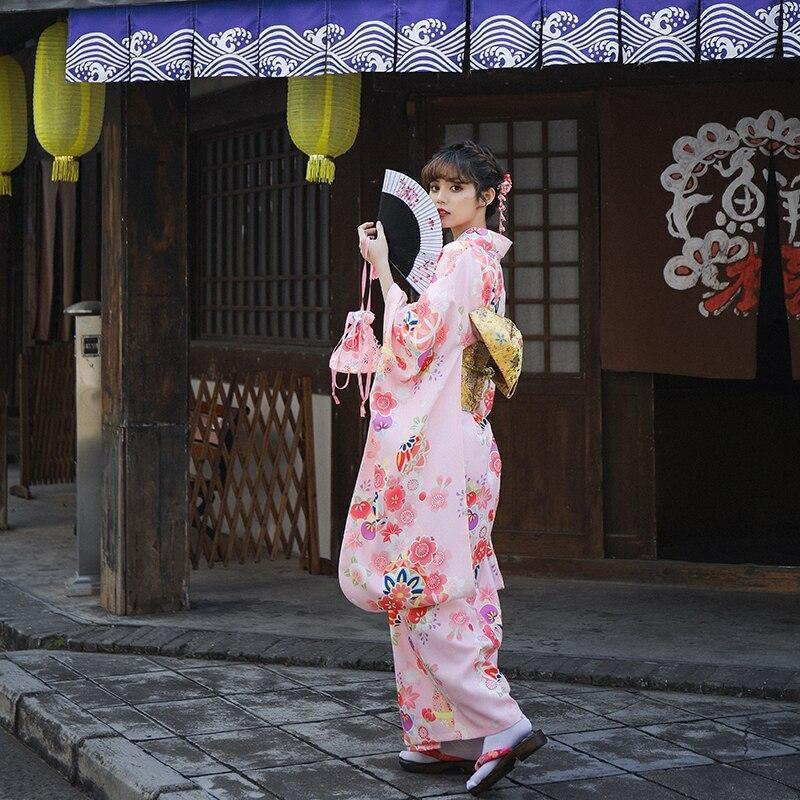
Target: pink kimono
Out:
[417,543]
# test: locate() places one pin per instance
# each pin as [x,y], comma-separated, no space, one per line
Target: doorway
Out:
[549,434]
[727,463]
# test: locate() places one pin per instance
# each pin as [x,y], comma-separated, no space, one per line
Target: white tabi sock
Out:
[468,749]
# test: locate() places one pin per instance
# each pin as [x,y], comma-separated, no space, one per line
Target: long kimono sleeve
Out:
[420,333]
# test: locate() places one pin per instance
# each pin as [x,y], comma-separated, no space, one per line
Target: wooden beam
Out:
[144,545]
[64,5]
[738,577]
[240,358]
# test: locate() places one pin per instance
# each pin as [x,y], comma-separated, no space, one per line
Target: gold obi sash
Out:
[497,356]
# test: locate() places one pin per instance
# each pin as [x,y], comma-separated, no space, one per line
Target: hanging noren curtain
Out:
[283,38]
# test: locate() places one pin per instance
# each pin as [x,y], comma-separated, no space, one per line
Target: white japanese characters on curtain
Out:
[722,265]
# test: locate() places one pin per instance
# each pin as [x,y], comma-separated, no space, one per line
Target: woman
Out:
[417,542]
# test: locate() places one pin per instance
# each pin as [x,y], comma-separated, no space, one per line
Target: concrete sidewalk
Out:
[609,633]
[138,728]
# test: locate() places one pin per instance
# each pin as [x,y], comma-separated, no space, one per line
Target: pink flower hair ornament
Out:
[502,190]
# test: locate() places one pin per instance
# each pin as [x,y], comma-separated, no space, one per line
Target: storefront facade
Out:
[653,432]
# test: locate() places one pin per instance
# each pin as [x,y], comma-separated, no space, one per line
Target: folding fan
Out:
[412,226]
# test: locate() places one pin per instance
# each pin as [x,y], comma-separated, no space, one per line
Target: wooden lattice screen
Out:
[252,482]
[262,238]
[47,415]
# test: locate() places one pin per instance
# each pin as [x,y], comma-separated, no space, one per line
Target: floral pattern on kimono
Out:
[449,685]
[412,538]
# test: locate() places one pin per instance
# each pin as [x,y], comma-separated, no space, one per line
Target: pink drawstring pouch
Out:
[358,350]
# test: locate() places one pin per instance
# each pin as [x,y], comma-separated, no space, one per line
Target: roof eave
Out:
[63,5]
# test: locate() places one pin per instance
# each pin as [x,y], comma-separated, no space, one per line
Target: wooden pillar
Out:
[348,429]
[383,142]
[3,460]
[6,268]
[6,352]
[144,558]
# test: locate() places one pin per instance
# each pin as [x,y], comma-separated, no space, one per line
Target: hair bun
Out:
[473,163]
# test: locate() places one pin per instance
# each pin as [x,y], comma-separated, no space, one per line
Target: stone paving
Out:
[185,729]
[643,635]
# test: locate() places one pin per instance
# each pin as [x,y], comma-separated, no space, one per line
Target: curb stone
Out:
[80,746]
[29,623]
[116,769]
[55,727]
[15,684]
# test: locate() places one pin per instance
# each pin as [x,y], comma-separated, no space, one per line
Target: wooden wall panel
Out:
[629,522]
[544,465]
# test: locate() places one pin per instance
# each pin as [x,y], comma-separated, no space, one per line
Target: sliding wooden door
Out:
[549,433]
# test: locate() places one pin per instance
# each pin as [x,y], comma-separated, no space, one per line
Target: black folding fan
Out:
[412,226]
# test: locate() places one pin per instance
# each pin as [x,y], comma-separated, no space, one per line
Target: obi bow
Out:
[496,355]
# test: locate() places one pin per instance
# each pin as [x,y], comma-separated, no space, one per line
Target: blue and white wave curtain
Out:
[280,38]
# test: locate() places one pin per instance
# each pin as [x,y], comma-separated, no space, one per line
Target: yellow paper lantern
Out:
[67,117]
[323,113]
[13,120]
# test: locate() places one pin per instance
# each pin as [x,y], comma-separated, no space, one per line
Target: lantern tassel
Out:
[321,169]
[65,168]
[5,185]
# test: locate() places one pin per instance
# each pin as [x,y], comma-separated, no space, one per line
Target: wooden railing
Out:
[252,487]
[47,415]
